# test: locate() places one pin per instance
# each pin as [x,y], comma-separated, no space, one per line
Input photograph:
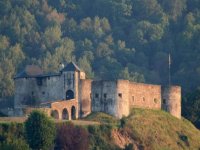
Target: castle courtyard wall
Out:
[40,90]
[104,97]
[144,95]
[122,98]
[85,97]
[171,97]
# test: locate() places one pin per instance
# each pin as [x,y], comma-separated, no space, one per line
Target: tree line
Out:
[108,39]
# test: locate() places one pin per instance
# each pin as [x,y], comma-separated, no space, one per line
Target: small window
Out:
[164,101]
[48,78]
[155,100]
[43,92]
[96,95]
[32,93]
[68,76]
[120,95]
[143,99]
[90,95]
[133,98]
[39,82]
[104,95]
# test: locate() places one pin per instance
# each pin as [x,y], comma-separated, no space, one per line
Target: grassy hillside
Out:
[150,129]
[141,130]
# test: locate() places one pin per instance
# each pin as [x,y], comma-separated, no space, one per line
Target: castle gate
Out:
[69,95]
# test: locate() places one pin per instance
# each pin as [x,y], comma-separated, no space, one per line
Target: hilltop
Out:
[149,129]
[143,129]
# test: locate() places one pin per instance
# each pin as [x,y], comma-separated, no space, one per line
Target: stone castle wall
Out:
[171,97]
[112,97]
[67,106]
[85,97]
[104,97]
[37,89]
[144,95]
[122,103]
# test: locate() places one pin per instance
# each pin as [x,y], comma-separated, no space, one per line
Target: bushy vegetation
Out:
[12,137]
[70,137]
[144,129]
[101,138]
[40,131]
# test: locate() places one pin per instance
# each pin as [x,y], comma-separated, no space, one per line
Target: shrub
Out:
[40,131]
[70,137]
[16,144]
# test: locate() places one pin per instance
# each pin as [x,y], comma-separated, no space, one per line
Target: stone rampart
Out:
[145,95]
[171,97]
[85,97]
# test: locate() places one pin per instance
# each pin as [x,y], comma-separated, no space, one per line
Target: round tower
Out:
[171,100]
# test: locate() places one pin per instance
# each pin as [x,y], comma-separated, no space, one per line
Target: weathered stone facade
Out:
[68,95]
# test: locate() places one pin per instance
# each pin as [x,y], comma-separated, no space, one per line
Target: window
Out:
[39,81]
[120,95]
[43,92]
[155,100]
[69,95]
[32,93]
[164,101]
[96,95]
[143,99]
[104,95]
[133,98]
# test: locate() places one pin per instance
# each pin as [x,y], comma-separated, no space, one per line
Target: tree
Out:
[70,137]
[173,8]
[191,105]
[85,65]
[40,131]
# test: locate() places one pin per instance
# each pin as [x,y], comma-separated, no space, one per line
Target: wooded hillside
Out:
[109,39]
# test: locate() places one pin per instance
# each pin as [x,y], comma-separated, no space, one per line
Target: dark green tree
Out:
[40,131]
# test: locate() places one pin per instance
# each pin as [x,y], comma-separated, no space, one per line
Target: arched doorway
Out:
[69,95]
[65,114]
[73,113]
[55,114]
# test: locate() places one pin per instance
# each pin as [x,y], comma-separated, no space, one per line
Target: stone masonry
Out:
[68,95]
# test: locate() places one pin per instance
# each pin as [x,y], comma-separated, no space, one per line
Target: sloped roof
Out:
[29,71]
[71,67]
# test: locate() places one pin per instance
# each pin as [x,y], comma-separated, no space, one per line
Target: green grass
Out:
[155,129]
[147,129]
[102,118]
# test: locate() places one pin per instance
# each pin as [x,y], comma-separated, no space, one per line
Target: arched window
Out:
[55,114]
[65,115]
[69,95]
[73,113]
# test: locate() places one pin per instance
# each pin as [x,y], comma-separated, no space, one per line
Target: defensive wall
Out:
[171,97]
[144,95]
[118,97]
[85,96]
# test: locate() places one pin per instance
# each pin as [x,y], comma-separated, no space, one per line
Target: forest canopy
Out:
[109,39]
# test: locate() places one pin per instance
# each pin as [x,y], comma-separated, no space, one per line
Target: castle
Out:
[69,95]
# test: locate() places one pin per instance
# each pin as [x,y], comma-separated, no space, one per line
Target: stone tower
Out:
[72,75]
[171,100]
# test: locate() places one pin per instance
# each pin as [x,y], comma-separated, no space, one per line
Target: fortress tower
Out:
[171,100]
[72,76]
